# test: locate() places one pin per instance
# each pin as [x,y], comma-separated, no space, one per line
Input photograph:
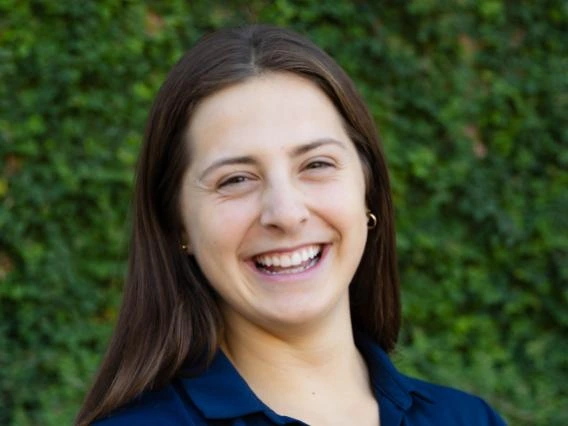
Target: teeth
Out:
[289,259]
[296,258]
[285,261]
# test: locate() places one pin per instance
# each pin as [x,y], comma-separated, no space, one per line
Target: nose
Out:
[284,208]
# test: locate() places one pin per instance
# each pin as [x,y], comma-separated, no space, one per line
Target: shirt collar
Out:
[386,380]
[220,392]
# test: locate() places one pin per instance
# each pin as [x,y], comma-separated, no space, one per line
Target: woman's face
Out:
[273,202]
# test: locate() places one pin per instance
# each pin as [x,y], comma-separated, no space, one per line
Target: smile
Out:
[289,263]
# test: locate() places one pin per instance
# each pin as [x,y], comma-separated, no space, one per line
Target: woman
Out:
[262,285]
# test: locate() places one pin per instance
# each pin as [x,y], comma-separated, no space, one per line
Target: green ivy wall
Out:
[471,97]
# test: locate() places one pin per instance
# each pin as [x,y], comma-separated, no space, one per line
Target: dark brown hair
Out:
[169,316]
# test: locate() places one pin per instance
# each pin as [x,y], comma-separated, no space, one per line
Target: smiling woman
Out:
[273,203]
[262,285]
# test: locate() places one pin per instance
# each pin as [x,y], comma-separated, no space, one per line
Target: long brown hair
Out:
[169,316]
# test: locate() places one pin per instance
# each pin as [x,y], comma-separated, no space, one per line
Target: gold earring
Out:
[371,220]
[183,246]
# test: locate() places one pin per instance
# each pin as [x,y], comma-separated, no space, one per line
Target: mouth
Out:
[293,262]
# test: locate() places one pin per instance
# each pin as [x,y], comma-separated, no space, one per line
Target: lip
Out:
[287,250]
[299,276]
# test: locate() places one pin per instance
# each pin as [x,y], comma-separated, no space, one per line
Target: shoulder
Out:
[166,407]
[447,405]
[421,403]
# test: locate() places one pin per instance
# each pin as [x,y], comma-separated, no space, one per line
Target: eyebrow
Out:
[247,159]
[302,149]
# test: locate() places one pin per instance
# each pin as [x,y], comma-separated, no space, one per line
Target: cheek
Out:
[220,227]
[343,197]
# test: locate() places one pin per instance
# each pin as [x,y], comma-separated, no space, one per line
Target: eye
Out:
[318,164]
[233,180]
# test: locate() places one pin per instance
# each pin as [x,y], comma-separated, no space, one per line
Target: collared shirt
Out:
[220,396]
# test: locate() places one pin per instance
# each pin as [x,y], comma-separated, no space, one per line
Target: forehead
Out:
[274,108]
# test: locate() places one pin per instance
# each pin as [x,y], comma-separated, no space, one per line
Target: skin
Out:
[273,172]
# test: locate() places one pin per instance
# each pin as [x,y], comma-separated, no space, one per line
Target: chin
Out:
[297,315]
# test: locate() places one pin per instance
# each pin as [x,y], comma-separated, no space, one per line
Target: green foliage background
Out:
[471,98]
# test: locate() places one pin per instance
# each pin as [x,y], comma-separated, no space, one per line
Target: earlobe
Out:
[184,243]
[371,220]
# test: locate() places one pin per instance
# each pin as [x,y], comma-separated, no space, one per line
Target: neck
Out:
[296,371]
[313,357]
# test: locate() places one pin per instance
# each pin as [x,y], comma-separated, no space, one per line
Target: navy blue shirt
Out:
[220,396]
